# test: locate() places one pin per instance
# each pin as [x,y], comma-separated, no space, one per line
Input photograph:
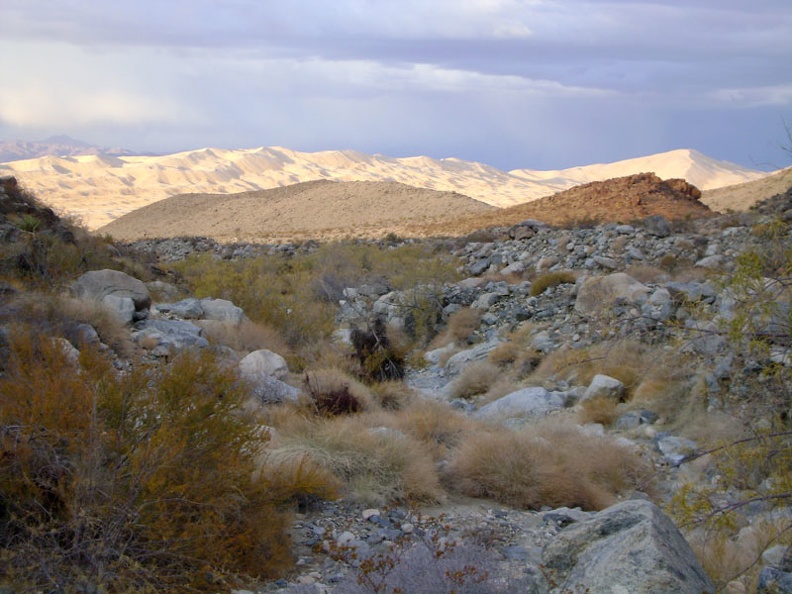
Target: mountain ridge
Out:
[100,188]
[58,145]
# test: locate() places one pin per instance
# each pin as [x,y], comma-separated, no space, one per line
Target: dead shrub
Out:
[546,465]
[378,358]
[331,392]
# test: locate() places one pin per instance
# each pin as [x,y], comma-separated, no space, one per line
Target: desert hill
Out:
[740,197]
[317,208]
[622,199]
[324,209]
[100,188]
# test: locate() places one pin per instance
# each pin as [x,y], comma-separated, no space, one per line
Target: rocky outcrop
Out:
[630,548]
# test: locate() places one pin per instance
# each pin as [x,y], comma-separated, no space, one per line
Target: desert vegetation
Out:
[124,471]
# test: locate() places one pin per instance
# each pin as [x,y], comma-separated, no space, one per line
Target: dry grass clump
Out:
[551,465]
[435,424]
[600,409]
[628,361]
[476,378]
[376,465]
[551,279]
[247,337]
[461,325]
[392,395]
[299,480]
[647,274]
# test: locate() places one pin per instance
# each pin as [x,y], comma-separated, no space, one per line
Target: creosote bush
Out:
[297,294]
[141,482]
[747,468]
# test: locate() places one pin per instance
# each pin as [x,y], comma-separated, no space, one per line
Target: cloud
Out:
[778,95]
[55,84]
[515,79]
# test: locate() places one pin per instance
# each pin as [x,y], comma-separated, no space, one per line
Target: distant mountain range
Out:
[101,187]
[57,146]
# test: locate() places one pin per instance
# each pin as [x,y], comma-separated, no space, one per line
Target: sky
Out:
[539,84]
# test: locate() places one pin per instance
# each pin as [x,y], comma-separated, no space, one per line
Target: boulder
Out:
[523,404]
[604,386]
[268,390]
[774,581]
[460,360]
[657,225]
[122,308]
[264,362]
[674,448]
[170,334]
[222,311]
[186,309]
[598,292]
[629,548]
[98,284]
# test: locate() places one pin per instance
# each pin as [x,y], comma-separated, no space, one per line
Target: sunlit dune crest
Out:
[98,188]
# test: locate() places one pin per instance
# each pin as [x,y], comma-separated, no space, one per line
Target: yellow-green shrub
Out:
[149,476]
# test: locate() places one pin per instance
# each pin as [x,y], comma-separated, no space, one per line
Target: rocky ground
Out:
[677,296]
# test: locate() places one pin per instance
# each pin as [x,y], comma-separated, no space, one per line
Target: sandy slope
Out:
[308,209]
[692,166]
[98,189]
[742,196]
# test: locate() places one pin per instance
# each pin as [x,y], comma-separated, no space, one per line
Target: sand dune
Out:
[98,189]
[692,166]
